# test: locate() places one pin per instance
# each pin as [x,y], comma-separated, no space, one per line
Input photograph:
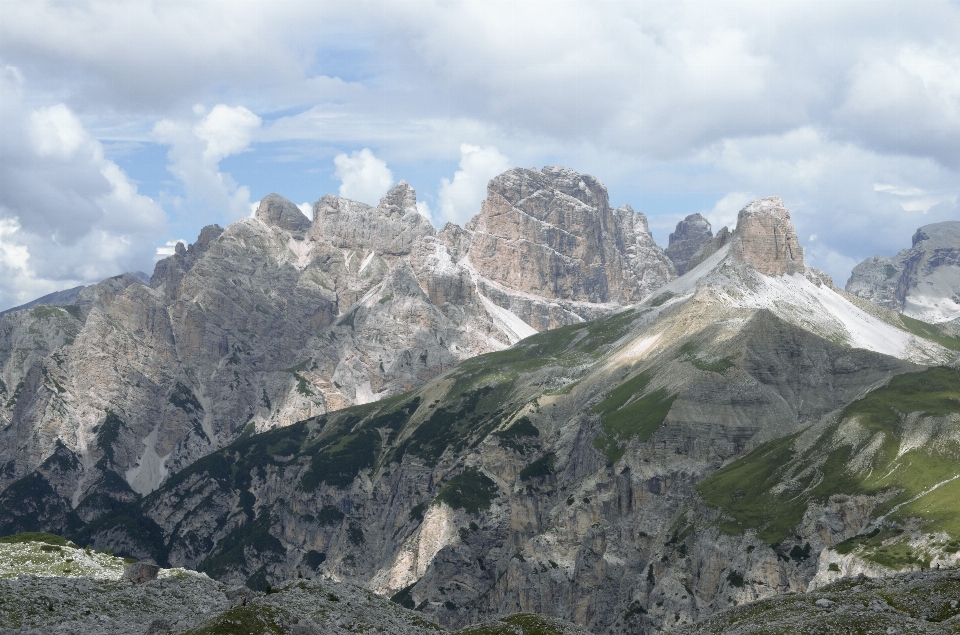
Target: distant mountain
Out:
[57,298]
[922,282]
[67,297]
[692,233]
[724,440]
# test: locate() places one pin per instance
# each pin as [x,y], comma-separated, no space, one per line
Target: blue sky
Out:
[126,126]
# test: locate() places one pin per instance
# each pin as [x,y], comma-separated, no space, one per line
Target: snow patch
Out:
[507,321]
[936,298]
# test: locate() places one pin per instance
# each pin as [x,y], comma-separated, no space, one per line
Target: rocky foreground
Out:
[49,585]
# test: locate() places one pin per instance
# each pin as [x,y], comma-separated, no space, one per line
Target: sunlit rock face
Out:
[552,233]
[922,282]
[766,240]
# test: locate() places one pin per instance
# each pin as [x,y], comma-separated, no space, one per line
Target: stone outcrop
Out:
[922,282]
[766,240]
[140,572]
[692,233]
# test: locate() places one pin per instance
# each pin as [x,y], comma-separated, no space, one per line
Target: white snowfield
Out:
[798,300]
[936,298]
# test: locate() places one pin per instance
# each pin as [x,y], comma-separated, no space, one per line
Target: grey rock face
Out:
[922,282]
[557,477]
[692,233]
[276,211]
[535,479]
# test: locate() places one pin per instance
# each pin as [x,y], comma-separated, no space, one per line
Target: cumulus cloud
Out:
[68,215]
[226,130]
[460,198]
[424,209]
[363,177]
[195,154]
[724,212]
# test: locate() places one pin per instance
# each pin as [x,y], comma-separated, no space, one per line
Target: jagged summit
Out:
[276,211]
[759,266]
[391,228]
[552,232]
[691,234]
[277,318]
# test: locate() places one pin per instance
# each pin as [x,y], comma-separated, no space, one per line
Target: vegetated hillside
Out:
[48,584]
[893,454]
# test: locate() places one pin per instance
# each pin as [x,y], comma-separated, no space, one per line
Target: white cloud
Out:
[460,198]
[307,209]
[12,256]
[424,209]
[914,199]
[226,130]
[363,176]
[56,132]
[664,101]
[195,154]
[724,212]
[67,214]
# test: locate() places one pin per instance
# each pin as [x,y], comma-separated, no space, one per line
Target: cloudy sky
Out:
[126,126]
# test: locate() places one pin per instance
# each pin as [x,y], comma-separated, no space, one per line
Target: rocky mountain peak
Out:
[552,233]
[390,228]
[766,240]
[692,233]
[922,282]
[276,211]
[400,200]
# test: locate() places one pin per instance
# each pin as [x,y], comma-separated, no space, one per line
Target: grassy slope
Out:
[866,452]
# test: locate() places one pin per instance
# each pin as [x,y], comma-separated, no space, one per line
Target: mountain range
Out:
[529,414]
